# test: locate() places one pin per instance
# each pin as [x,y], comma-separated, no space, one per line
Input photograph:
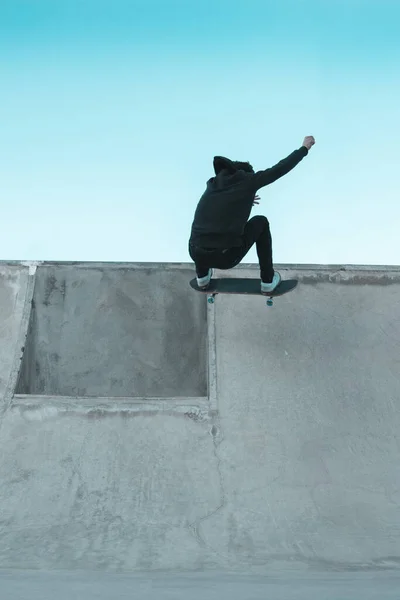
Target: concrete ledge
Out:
[85,405]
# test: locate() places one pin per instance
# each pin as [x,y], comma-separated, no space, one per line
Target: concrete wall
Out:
[295,460]
[114,331]
[14,292]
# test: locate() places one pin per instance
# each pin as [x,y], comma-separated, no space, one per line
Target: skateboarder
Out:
[221,233]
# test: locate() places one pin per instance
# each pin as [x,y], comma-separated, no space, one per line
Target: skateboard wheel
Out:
[270,302]
[211,300]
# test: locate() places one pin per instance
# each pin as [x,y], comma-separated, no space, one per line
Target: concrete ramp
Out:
[150,430]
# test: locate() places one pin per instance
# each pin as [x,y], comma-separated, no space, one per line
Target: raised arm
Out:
[263,178]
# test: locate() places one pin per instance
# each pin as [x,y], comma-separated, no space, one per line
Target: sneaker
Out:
[269,287]
[204,282]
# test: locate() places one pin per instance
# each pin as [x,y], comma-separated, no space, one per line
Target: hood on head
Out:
[221,162]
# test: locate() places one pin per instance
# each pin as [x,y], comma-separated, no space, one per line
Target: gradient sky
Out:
[113,111]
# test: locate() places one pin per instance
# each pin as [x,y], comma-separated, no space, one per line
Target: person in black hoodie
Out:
[222,233]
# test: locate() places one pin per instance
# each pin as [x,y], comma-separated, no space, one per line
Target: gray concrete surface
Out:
[117,331]
[13,289]
[292,460]
[15,585]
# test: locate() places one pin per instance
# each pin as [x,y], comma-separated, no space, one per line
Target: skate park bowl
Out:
[154,445]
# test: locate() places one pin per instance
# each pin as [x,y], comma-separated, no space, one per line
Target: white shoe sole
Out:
[205,281]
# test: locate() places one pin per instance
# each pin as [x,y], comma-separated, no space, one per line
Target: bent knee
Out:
[260,220]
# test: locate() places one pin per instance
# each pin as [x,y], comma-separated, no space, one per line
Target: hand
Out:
[309,141]
[256,200]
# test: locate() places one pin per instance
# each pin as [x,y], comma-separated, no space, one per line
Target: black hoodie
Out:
[225,206]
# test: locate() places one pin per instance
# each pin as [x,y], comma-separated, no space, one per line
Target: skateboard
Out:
[243,286]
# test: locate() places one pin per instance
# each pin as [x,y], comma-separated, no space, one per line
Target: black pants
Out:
[257,232]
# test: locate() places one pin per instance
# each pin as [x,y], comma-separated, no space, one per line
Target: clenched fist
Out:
[309,141]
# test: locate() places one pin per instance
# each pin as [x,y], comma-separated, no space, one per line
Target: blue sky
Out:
[113,111]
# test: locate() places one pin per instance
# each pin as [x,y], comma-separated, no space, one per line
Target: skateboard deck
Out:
[243,286]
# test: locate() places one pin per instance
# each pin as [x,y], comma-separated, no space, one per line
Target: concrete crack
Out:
[195,526]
